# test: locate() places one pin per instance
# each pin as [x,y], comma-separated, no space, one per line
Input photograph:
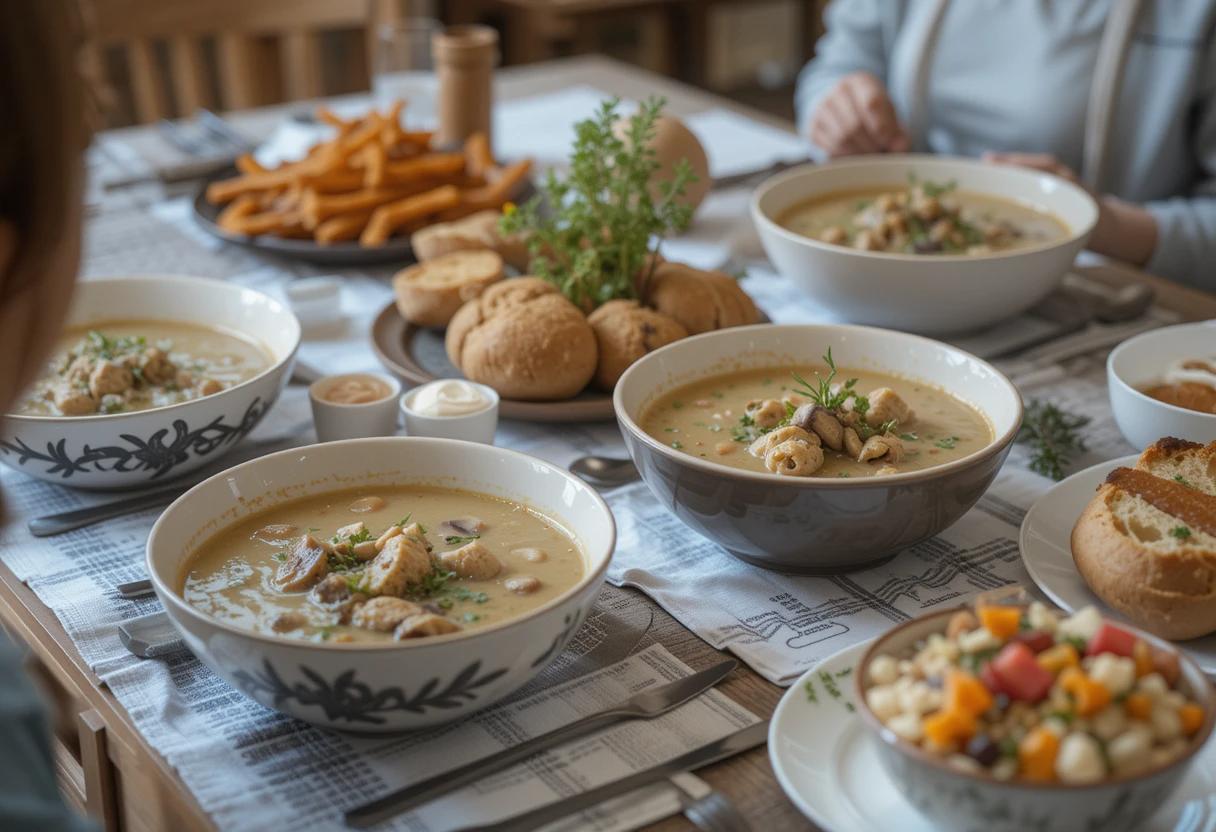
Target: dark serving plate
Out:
[396,251]
[417,355]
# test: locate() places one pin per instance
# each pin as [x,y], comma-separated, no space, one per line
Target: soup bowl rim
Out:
[1128,347]
[913,751]
[593,574]
[1074,235]
[994,446]
[276,366]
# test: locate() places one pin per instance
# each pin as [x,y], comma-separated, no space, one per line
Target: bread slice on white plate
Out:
[1188,463]
[1146,543]
[429,293]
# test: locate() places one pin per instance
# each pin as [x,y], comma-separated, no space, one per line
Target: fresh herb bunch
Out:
[602,222]
[1053,436]
[823,394]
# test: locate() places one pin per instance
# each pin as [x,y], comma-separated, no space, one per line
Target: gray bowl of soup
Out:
[152,377]
[926,244]
[385,584]
[814,448]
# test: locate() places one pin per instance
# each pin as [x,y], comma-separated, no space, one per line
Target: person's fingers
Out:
[852,132]
[875,112]
[901,143]
[833,127]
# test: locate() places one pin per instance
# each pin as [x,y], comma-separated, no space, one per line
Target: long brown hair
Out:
[43,101]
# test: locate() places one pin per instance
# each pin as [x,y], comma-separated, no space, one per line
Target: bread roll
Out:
[624,332]
[429,293]
[525,339]
[475,232]
[1146,543]
[700,300]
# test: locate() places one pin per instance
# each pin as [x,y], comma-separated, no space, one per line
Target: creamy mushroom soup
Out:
[124,366]
[383,564]
[923,218]
[821,422]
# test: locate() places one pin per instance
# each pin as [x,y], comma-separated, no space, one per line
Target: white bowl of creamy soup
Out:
[382,584]
[819,448]
[152,377]
[1163,383]
[925,244]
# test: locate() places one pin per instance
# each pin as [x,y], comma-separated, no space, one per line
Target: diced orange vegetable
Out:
[1138,706]
[1192,718]
[1090,696]
[1002,622]
[1142,655]
[964,692]
[1037,755]
[1055,659]
[947,728]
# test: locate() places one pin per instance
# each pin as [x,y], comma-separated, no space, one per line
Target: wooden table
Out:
[106,767]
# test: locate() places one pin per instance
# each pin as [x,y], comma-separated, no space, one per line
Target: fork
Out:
[1198,815]
[713,813]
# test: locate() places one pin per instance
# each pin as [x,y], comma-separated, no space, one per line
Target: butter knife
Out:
[736,743]
[645,705]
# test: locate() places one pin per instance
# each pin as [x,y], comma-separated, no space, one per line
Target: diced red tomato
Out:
[1111,639]
[1019,674]
[988,677]
[1036,640]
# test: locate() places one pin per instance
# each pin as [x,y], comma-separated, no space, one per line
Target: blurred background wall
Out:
[166,58]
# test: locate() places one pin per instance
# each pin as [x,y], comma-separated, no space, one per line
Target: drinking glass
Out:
[402,69]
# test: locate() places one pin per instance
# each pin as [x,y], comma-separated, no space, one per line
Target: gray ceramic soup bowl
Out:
[815,525]
[957,800]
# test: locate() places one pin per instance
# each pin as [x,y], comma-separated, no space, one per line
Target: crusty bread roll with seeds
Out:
[428,294]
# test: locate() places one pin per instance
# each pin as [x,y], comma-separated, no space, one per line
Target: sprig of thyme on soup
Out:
[820,421]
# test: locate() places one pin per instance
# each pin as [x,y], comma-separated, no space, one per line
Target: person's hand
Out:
[856,116]
[1124,230]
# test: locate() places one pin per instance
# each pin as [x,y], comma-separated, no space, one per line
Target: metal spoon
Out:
[1109,305]
[605,471]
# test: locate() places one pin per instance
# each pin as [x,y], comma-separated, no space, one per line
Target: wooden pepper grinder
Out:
[465,57]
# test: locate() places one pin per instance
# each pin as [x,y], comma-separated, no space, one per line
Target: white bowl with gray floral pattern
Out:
[140,448]
[382,687]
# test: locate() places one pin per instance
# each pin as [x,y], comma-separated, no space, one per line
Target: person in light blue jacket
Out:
[1119,95]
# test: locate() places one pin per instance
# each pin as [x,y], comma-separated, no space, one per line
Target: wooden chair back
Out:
[178,55]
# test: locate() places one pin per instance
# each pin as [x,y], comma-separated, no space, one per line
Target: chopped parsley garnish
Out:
[339,562]
[677,444]
[280,556]
[460,593]
[405,521]
[460,540]
[471,617]
[433,584]
[746,430]
[1079,644]
[947,442]
[107,348]
[361,536]
[909,437]
[1180,532]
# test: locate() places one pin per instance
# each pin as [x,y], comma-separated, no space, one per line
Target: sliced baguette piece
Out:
[430,293]
[1146,545]
[1188,463]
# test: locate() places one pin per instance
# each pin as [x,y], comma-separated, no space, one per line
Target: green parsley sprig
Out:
[591,232]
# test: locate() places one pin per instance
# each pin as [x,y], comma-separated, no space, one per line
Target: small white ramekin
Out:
[1143,360]
[471,427]
[334,420]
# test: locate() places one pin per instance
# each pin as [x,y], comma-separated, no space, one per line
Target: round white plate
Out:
[828,766]
[1047,553]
